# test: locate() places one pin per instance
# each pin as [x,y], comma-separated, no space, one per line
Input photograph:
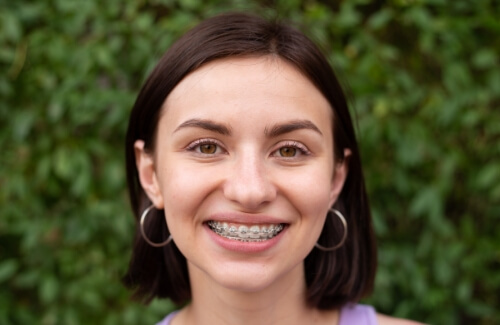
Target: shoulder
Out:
[388,320]
[168,319]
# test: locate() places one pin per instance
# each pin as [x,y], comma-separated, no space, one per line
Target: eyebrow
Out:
[205,124]
[280,129]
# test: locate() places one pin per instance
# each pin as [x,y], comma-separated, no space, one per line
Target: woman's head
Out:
[268,55]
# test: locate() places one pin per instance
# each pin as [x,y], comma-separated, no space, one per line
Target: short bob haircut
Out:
[333,278]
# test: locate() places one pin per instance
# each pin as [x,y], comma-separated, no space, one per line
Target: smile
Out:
[246,233]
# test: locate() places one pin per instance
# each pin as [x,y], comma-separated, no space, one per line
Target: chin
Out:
[243,276]
[245,283]
[252,277]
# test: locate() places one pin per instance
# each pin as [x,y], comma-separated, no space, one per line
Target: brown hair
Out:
[333,278]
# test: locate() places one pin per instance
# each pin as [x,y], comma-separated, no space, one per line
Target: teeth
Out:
[254,232]
[245,233]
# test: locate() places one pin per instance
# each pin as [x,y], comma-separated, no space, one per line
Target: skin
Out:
[252,150]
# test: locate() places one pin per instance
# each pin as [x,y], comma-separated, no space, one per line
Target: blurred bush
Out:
[425,80]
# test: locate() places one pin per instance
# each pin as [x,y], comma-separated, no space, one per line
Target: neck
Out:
[282,302]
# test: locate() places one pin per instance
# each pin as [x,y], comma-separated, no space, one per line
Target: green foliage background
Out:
[425,80]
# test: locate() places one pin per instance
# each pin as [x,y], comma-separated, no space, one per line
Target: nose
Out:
[248,183]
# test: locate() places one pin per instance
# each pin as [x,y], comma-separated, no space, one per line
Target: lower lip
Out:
[245,247]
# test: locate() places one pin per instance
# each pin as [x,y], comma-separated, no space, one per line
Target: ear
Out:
[147,174]
[339,176]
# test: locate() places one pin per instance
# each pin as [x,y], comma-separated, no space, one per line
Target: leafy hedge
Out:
[425,80]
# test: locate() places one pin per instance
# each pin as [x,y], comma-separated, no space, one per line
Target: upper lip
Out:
[244,218]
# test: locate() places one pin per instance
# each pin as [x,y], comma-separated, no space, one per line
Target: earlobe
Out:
[339,176]
[147,174]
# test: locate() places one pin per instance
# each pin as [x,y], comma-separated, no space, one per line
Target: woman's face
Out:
[244,169]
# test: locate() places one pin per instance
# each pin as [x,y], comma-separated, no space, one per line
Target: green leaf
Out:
[7,269]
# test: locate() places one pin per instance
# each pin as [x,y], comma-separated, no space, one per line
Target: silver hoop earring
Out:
[143,233]
[329,249]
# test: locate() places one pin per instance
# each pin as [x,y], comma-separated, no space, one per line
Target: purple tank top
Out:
[349,315]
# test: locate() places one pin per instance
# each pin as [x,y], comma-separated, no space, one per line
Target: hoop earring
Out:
[143,233]
[330,249]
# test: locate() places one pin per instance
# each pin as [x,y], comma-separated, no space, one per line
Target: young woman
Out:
[245,177]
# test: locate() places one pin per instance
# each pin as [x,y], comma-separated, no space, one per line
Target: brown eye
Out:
[288,152]
[208,148]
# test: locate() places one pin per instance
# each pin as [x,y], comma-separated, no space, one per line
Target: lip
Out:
[244,247]
[240,246]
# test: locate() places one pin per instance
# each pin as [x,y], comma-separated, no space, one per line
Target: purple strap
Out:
[358,315]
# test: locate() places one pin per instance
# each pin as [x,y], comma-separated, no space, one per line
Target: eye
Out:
[205,147]
[291,149]
[287,151]
[208,148]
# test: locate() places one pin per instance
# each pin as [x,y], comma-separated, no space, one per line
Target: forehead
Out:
[266,86]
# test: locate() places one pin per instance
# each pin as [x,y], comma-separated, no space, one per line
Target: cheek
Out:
[182,195]
[183,188]
[309,192]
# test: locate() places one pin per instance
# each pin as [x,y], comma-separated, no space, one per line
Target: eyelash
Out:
[302,149]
